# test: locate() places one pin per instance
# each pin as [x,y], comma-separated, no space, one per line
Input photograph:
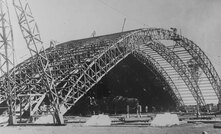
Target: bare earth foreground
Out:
[79,129]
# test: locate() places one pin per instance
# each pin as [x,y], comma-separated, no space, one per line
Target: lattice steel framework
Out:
[180,67]
[40,78]
[7,60]
[203,61]
[79,65]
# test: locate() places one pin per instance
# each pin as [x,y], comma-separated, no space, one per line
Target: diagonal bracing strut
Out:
[34,43]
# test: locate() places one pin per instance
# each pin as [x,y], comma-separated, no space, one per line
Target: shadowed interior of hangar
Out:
[129,79]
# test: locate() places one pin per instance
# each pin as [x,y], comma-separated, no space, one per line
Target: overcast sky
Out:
[65,20]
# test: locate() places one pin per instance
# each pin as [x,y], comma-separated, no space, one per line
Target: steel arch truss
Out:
[180,68]
[161,73]
[192,49]
[203,61]
[78,65]
[94,71]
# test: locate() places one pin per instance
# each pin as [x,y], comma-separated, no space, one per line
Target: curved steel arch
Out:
[203,61]
[179,66]
[154,66]
[193,49]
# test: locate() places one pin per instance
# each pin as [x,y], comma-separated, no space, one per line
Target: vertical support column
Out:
[7,58]
[20,100]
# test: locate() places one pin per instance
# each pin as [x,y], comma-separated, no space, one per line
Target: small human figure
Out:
[128,111]
[139,110]
[146,109]
[153,109]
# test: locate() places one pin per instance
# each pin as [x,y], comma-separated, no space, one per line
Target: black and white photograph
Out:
[110,67]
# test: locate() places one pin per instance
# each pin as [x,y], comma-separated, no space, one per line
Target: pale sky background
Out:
[65,20]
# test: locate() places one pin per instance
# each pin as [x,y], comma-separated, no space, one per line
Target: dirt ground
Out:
[80,129]
[130,126]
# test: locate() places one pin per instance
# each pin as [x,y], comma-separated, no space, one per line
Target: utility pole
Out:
[123,25]
[93,33]
[7,59]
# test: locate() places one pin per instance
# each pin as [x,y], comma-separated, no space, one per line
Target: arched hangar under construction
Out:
[157,66]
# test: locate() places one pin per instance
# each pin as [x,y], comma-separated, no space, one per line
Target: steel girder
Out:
[161,73]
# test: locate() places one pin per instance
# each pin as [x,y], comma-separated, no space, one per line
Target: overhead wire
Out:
[138,21]
[122,13]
